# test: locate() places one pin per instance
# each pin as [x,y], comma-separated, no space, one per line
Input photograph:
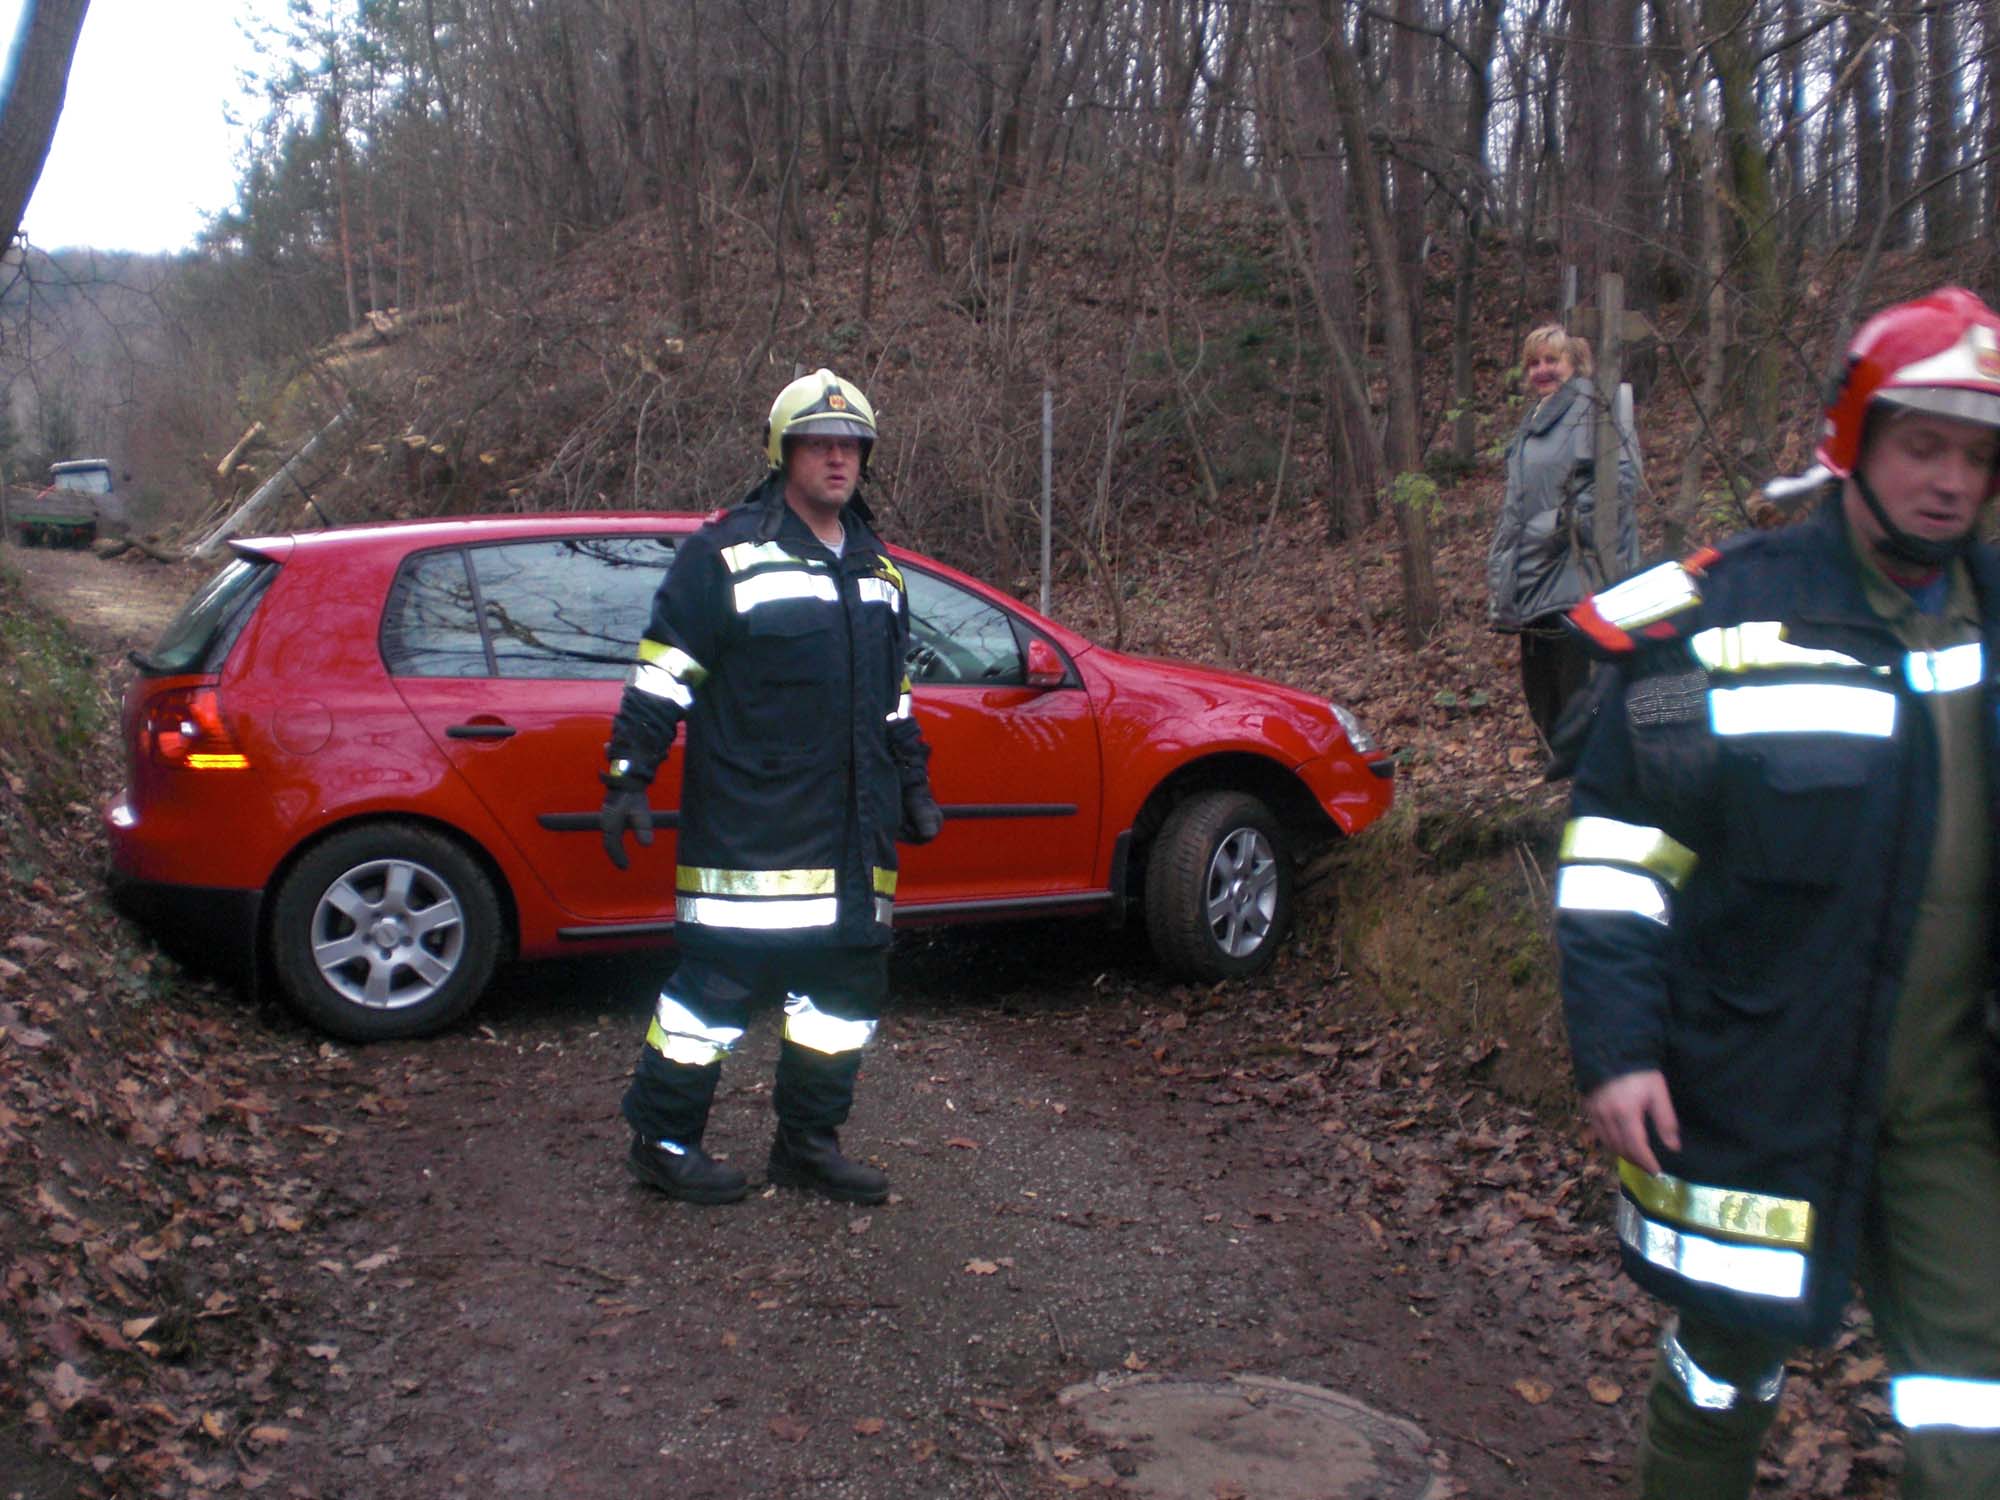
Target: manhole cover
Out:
[1244,1436]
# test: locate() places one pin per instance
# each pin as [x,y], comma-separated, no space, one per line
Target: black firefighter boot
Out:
[812,1159]
[685,1172]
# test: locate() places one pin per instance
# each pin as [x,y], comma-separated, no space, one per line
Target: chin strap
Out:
[1897,543]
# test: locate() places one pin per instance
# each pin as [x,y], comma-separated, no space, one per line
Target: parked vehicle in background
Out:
[362,764]
[67,511]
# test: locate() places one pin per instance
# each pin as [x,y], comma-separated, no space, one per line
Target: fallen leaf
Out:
[730,1341]
[1133,1362]
[868,1426]
[981,1267]
[788,1428]
[1533,1391]
[962,1143]
[1604,1392]
[323,1351]
[860,1225]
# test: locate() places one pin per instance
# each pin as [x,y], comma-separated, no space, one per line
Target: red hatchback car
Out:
[363,763]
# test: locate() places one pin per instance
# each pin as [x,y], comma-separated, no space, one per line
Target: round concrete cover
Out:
[1246,1436]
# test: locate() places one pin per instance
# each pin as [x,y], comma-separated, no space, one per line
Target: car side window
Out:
[955,636]
[567,608]
[431,628]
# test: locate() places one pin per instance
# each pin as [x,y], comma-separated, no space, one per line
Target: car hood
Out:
[1252,712]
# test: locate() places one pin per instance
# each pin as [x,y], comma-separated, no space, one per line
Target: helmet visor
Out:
[826,424]
[1980,407]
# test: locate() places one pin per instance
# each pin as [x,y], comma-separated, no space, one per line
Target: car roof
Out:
[410,535]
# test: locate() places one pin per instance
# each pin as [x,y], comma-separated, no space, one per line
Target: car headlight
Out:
[1357,732]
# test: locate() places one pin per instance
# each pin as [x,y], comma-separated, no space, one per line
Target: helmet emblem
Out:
[839,402]
[1986,352]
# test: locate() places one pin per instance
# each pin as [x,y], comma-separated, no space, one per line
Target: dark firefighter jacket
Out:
[786,664]
[1737,885]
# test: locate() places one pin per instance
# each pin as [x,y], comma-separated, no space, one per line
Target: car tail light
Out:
[183,727]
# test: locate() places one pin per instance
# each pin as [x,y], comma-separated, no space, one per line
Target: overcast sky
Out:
[143,154]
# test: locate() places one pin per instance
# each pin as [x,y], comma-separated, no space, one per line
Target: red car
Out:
[363,763]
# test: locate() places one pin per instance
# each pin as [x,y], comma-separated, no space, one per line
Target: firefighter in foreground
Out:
[778,638]
[1777,926]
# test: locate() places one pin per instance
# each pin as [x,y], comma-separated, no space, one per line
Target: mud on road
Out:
[1095,1173]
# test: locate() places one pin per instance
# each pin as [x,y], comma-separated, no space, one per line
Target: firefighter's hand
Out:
[1621,1110]
[922,821]
[624,808]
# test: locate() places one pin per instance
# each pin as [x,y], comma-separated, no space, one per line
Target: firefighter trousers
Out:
[831,999]
[1930,1274]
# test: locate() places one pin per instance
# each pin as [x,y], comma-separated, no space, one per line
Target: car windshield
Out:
[200,634]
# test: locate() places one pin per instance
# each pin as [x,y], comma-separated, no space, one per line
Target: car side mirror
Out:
[1045,666]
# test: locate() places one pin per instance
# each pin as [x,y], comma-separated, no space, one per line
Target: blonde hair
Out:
[1560,342]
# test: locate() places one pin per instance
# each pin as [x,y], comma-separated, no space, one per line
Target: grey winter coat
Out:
[1535,566]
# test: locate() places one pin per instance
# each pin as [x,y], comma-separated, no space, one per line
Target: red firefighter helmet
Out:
[1939,354]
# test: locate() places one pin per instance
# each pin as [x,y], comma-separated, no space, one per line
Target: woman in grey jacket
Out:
[1540,565]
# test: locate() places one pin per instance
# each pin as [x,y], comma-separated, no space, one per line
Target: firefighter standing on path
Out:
[1777,924]
[778,638]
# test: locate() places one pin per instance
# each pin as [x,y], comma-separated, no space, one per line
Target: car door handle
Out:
[480,732]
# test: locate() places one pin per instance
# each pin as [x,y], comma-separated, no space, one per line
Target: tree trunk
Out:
[1750,202]
[44,42]
[1472,142]
[1403,449]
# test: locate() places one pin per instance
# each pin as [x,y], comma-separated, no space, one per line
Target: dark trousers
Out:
[1554,664]
[1930,1273]
[830,994]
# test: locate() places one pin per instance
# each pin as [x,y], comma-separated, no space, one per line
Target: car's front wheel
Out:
[385,932]
[1218,887]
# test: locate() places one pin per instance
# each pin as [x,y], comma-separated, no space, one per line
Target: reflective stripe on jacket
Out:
[1750,838]
[787,666]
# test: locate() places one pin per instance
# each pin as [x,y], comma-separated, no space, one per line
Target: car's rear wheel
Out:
[385,932]
[1218,887]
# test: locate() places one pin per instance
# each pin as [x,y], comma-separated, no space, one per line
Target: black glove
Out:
[922,821]
[624,807]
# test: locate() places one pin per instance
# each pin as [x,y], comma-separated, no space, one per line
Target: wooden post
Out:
[1610,371]
[1048,484]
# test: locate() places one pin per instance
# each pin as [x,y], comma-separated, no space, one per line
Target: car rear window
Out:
[208,624]
[569,607]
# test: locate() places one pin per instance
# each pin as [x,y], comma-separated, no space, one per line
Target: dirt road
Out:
[1095,1173]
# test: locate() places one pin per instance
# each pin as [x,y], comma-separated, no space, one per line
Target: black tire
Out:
[1218,888]
[385,932]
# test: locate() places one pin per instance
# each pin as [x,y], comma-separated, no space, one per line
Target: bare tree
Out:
[31,101]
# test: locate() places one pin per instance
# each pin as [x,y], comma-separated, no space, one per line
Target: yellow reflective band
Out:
[1803,708]
[809,1026]
[757,916]
[885,882]
[1752,1269]
[1604,888]
[1952,670]
[657,682]
[890,570]
[1945,1401]
[902,710]
[744,556]
[1758,644]
[1762,1217]
[776,588]
[1607,841]
[880,591]
[1648,596]
[674,660]
[698,880]
[680,1036]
